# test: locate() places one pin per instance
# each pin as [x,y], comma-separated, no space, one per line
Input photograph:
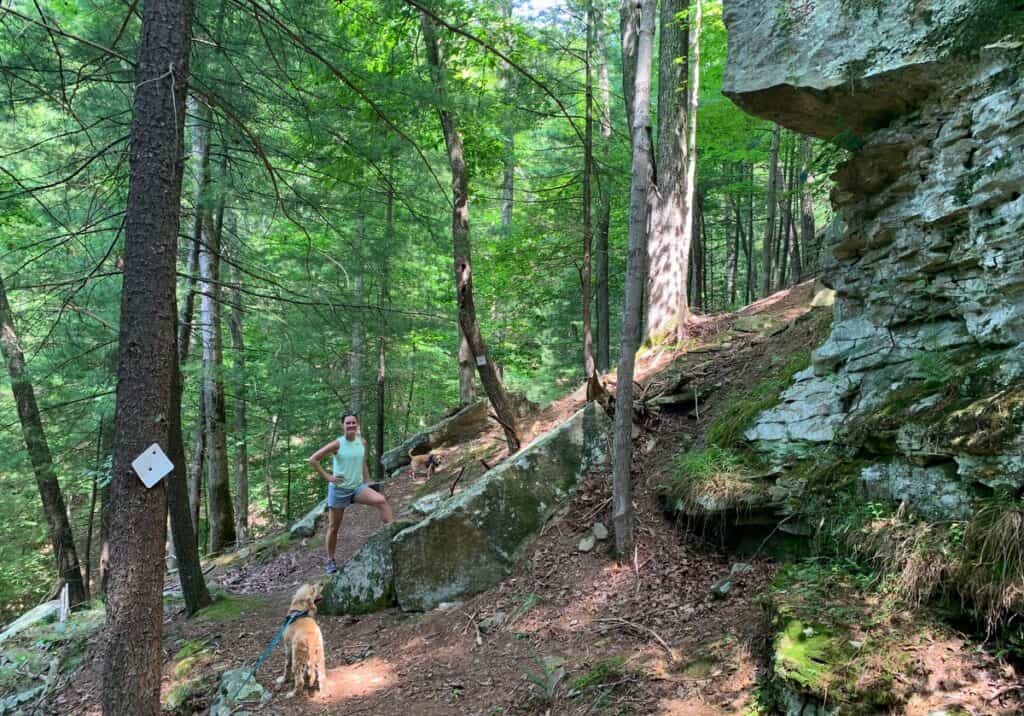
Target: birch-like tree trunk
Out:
[642,166]
[460,239]
[54,508]
[218,487]
[147,362]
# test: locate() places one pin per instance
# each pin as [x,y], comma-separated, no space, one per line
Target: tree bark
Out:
[622,501]
[602,328]
[692,100]
[147,374]
[218,487]
[238,425]
[769,226]
[61,537]
[509,133]
[460,239]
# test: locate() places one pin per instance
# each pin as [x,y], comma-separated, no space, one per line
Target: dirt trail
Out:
[640,638]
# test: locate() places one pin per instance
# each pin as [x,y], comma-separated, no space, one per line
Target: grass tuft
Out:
[738,413]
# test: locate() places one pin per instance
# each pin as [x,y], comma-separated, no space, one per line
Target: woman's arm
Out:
[315,458]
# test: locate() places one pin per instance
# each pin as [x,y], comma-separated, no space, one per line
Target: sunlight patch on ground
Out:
[357,680]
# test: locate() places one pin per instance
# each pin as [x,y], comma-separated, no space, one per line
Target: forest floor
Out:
[640,638]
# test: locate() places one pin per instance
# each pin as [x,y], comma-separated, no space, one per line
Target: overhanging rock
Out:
[471,541]
[832,67]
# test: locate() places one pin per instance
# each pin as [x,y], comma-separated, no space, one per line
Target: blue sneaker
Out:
[331,567]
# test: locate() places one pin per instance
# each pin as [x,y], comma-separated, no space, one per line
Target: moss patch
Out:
[842,644]
[228,606]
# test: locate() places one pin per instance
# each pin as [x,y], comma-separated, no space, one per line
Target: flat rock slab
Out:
[44,612]
[471,541]
[463,426]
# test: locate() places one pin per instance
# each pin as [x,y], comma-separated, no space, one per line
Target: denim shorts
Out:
[338,498]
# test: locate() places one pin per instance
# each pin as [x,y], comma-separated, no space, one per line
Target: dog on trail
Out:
[428,461]
[304,643]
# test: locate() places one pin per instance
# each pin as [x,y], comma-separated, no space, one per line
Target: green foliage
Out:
[601,673]
[546,679]
[727,427]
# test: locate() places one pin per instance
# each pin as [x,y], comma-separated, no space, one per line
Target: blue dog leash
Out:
[292,616]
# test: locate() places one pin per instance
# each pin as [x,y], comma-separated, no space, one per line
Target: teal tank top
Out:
[348,462]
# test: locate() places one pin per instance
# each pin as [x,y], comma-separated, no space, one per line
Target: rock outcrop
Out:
[922,377]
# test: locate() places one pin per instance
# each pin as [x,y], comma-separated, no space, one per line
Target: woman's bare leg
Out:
[369,496]
[334,516]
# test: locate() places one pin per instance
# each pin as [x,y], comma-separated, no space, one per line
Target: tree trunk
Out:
[460,240]
[692,99]
[358,338]
[785,213]
[238,425]
[268,467]
[197,466]
[384,298]
[588,170]
[467,392]
[147,374]
[61,537]
[509,133]
[769,226]
[733,241]
[218,487]
[602,328]
[622,501]
[807,206]
[666,282]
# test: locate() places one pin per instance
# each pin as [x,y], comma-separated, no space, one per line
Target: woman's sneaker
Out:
[331,567]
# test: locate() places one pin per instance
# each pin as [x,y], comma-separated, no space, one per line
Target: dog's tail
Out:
[409,453]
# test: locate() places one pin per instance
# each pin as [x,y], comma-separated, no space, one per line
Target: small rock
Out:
[448,606]
[721,588]
[600,531]
[587,543]
[493,622]
[740,568]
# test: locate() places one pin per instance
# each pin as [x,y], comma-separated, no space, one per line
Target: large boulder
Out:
[471,541]
[365,582]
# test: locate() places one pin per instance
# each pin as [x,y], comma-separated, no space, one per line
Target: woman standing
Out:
[347,482]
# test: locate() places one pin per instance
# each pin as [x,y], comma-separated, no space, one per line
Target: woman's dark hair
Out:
[349,415]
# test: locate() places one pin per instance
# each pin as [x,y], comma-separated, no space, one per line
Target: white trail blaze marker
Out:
[152,465]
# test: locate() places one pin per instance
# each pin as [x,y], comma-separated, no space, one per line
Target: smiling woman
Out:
[347,482]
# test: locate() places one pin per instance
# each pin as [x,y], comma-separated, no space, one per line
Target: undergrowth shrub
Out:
[713,475]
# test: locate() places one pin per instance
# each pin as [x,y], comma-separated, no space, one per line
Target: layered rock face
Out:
[923,373]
